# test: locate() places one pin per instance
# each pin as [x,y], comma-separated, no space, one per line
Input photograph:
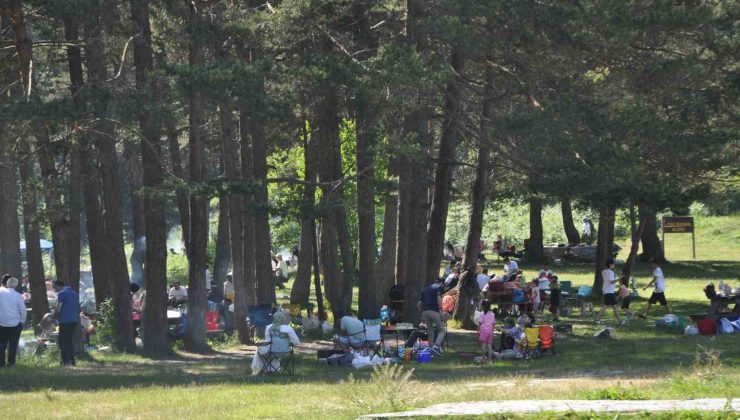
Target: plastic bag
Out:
[691,330]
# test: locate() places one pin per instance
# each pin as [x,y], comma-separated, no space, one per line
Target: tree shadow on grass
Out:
[578,356]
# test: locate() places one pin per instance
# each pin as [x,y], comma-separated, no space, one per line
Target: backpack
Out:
[707,326]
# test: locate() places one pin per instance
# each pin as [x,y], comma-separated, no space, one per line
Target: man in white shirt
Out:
[12,317]
[352,332]
[658,295]
[609,288]
[178,295]
[482,279]
[510,268]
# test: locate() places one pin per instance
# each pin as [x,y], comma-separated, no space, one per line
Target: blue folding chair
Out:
[258,316]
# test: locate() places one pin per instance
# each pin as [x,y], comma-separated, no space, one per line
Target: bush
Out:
[177,268]
[105,333]
[615,393]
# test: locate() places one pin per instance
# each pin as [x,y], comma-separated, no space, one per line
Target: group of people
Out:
[13,315]
[616,292]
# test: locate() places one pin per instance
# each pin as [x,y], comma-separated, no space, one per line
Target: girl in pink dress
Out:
[486,322]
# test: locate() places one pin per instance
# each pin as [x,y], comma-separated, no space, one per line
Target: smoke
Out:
[138,258]
[174,240]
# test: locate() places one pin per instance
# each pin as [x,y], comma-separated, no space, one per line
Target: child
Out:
[534,295]
[511,337]
[624,294]
[658,295]
[487,321]
[554,298]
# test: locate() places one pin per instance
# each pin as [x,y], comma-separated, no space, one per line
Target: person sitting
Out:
[229,288]
[450,267]
[178,295]
[351,331]
[510,268]
[279,323]
[452,279]
[482,277]
[511,339]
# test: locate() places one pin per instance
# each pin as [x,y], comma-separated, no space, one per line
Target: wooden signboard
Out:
[680,224]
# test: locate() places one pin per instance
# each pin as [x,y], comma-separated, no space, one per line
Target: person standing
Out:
[67,313]
[609,288]
[658,295]
[429,305]
[12,317]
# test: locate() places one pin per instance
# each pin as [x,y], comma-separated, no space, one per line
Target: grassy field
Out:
[639,362]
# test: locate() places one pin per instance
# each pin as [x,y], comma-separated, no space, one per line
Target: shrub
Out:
[105,333]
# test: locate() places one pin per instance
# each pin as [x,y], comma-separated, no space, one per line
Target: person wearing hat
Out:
[280,322]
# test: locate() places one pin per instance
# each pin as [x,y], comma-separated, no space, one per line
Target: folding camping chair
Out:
[373,337]
[531,345]
[279,356]
[547,339]
[258,316]
[396,302]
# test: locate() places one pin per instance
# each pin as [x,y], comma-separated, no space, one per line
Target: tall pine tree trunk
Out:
[384,274]
[262,244]
[571,232]
[31,221]
[534,245]
[134,178]
[31,228]
[452,127]
[195,334]
[302,286]
[249,286]
[10,251]
[232,170]
[155,311]
[183,202]
[469,287]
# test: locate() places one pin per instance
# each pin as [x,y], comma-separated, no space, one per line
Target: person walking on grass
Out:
[658,295]
[608,287]
[12,317]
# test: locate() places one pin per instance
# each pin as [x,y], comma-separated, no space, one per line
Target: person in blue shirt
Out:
[429,304]
[67,314]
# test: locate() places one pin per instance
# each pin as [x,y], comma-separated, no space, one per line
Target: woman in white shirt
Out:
[280,323]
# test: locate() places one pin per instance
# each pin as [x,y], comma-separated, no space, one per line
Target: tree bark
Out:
[134,178]
[317,273]
[104,140]
[571,232]
[534,246]
[603,246]
[10,251]
[223,244]
[195,334]
[369,304]
[384,275]
[629,265]
[232,171]
[262,245]
[452,127]
[651,245]
[96,231]
[155,310]
[249,286]
[469,287]
[183,209]
[403,220]
[302,285]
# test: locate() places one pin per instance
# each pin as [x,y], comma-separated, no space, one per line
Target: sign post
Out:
[683,224]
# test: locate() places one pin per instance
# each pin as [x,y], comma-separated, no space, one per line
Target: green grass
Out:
[639,362]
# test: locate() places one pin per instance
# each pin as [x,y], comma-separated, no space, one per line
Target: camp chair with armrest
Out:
[259,316]
[279,356]
[373,337]
[547,339]
[532,346]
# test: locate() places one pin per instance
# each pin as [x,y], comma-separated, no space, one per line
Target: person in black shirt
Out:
[554,298]
[429,304]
